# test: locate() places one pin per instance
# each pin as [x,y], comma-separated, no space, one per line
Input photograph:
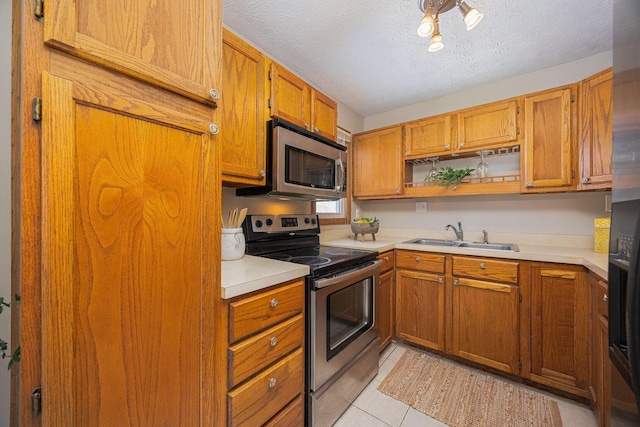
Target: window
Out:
[338,211]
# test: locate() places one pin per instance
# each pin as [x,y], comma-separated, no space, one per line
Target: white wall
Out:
[5,197]
[570,72]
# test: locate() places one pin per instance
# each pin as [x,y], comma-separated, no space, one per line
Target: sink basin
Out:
[464,244]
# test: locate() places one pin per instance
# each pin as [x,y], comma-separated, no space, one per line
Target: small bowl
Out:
[365,228]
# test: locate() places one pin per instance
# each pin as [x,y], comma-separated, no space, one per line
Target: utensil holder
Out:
[233,244]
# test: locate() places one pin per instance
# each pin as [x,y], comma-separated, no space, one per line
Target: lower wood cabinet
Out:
[600,388]
[560,327]
[384,307]
[265,374]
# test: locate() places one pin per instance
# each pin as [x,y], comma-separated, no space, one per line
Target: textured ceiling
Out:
[366,53]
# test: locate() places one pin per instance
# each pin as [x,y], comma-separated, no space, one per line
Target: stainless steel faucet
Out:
[458,230]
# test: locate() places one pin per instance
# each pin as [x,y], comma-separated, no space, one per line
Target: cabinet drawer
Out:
[486,268]
[253,354]
[417,260]
[292,415]
[387,259]
[259,399]
[602,295]
[250,315]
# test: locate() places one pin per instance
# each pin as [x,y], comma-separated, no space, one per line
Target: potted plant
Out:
[448,176]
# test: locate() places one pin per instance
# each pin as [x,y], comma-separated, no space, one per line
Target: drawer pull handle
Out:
[417,259]
[483,265]
[386,258]
[605,297]
[274,302]
[273,341]
[272,382]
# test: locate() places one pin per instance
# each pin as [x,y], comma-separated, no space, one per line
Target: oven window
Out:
[309,169]
[349,315]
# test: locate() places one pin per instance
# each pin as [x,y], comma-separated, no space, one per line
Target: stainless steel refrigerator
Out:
[624,253]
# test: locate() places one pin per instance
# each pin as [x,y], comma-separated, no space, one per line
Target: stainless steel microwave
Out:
[301,164]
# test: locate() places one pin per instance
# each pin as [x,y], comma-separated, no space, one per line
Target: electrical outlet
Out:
[357,213]
[421,206]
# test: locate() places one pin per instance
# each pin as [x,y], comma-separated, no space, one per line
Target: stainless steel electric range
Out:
[341,344]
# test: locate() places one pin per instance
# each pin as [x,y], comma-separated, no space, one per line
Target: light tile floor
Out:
[375,409]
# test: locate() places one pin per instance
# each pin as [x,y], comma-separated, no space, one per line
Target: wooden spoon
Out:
[241,216]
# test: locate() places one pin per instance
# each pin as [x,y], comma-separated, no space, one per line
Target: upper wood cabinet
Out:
[560,327]
[487,126]
[596,131]
[378,163]
[294,100]
[242,112]
[174,45]
[547,155]
[430,136]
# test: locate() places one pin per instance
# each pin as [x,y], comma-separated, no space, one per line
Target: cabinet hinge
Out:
[573,174]
[270,103]
[517,110]
[36,401]
[36,112]
[38,9]
[519,297]
[573,98]
[270,75]
[519,365]
[518,130]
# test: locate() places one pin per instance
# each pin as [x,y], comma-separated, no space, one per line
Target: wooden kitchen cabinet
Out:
[596,131]
[294,100]
[488,126]
[242,113]
[378,163]
[600,389]
[548,140]
[420,299]
[429,136]
[385,301]
[176,46]
[560,328]
[485,321]
[265,373]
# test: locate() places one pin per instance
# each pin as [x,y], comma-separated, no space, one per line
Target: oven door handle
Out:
[349,276]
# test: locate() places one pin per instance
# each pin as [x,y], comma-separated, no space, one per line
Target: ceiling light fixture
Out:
[433,8]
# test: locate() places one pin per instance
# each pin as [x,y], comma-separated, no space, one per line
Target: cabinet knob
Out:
[483,265]
[214,94]
[461,144]
[306,125]
[397,191]
[272,382]
[455,282]
[274,302]
[447,146]
[440,280]
[605,297]
[417,259]
[529,184]
[273,341]
[315,129]
[214,129]
[386,258]
[584,180]
[263,173]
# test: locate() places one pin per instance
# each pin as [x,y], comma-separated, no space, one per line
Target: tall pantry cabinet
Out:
[116,201]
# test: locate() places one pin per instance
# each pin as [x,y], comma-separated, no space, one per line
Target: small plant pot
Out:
[365,228]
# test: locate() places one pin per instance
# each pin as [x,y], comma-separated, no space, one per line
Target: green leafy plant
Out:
[363,220]
[4,347]
[449,176]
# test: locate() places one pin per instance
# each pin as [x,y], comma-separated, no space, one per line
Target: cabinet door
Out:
[384,309]
[488,126]
[420,308]
[560,328]
[174,45]
[429,136]
[290,97]
[242,112]
[485,323]
[547,141]
[324,115]
[377,163]
[128,260]
[596,131]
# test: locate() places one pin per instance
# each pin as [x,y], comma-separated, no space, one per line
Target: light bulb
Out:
[426,27]
[470,15]
[436,43]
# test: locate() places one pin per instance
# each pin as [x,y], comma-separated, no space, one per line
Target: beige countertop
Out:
[251,273]
[596,262]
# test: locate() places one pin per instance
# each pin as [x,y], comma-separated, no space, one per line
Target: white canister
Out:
[232,244]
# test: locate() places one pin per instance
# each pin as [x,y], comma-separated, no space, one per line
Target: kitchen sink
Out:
[464,244]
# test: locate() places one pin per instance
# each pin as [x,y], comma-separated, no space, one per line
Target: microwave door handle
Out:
[341,175]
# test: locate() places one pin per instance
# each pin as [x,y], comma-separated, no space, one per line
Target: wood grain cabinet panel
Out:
[378,165]
[125,291]
[548,139]
[384,310]
[242,113]
[290,97]
[560,327]
[291,415]
[429,136]
[324,115]
[488,125]
[596,131]
[486,269]
[423,261]
[599,388]
[174,45]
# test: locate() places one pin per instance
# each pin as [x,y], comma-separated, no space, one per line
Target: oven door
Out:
[341,320]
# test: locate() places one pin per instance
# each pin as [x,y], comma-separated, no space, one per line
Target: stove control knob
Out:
[313,221]
[258,223]
[269,222]
[307,220]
